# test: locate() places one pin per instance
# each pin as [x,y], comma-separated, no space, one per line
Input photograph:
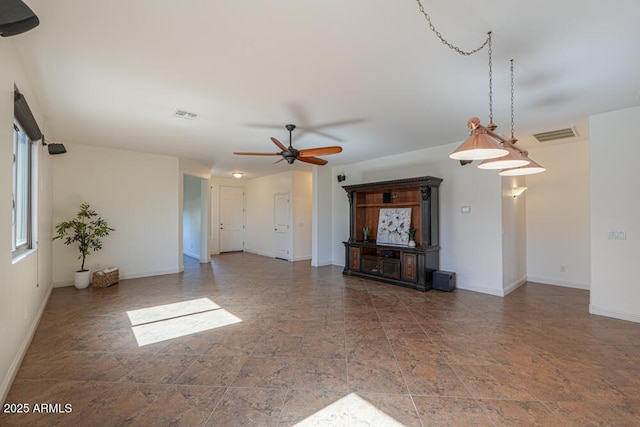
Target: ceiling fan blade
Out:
[278,161]
[256,154]
[279,144]
[320,151]
[313,160]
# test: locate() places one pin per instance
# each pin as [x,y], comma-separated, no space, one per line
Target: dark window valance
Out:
[23,114]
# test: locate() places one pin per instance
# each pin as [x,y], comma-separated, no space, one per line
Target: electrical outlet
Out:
[617,235]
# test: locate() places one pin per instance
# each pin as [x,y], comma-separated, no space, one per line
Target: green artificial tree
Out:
[87,230]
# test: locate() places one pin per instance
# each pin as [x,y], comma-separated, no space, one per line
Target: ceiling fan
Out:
[290,154]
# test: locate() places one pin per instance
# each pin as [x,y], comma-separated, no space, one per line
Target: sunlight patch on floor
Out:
[168,311]
[169,321]
[353,408]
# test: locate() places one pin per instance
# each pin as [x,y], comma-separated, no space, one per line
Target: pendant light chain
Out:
[490,81]
[447,43]
[512,91]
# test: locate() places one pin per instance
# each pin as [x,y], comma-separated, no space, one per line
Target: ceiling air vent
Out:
[555,134]
[185,115]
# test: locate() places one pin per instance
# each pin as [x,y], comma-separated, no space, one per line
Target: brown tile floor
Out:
[322,349]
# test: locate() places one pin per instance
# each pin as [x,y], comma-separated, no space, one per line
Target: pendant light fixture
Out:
[529,169]
[483,143]
[514,158]
[479,145]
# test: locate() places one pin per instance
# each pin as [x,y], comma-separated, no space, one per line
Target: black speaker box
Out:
[56,149]
[386,197]
[444,280]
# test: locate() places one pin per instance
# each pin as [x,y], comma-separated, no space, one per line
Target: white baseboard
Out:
[255,252]
[631,317]
[321,263]
[191,254]
[482,290]
[302,258]
[547,281]
[139,274]
[17,360]
[62,283]
[515,285]
[124,276]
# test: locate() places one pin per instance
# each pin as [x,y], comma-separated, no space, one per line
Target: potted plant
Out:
[365,232]
[412,237]
[87,230]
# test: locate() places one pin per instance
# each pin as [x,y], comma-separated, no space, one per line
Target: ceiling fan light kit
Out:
[497,152]
[291,154]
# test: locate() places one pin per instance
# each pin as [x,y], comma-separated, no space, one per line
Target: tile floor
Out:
[312,347]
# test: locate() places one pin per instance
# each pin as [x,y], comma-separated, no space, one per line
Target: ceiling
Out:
[368,75]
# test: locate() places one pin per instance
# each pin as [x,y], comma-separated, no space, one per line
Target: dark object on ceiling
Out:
[16,18]
[56,149]
[465,162]
[341,177]
[290,154]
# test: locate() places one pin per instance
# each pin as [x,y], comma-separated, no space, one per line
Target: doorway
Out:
[231,219]
[281,226]
[195,218]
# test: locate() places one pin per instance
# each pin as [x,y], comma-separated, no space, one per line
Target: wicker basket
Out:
[105,278]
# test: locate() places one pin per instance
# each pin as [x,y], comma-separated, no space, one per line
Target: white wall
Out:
[138,194]
[260,193]
[259,235]
[191,216]
[322,207]
[514,238]
[302,207]
[559,215]
[615,206]
[471,243]
[25,284]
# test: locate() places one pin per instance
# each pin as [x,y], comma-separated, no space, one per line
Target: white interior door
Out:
[231,219]
[281,226]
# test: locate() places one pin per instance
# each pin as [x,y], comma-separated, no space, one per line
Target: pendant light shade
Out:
[529,169]
[512,160]
[479,146]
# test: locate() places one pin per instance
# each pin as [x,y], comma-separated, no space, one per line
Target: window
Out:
[21,234]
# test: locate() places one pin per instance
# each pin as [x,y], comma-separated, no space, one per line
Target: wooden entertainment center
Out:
[392,263]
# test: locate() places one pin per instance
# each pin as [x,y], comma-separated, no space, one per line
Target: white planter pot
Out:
[81,279]
[412,243]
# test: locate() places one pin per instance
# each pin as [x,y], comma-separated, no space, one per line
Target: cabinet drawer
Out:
[409,267]
[354,258]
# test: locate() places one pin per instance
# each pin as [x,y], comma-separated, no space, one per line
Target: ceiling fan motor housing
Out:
[290,155]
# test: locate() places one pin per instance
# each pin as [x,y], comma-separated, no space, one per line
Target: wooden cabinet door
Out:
[390,267]
[354,258]
[409,271]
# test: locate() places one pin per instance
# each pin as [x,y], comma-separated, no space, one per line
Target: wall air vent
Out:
[555,134]
[185,115]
